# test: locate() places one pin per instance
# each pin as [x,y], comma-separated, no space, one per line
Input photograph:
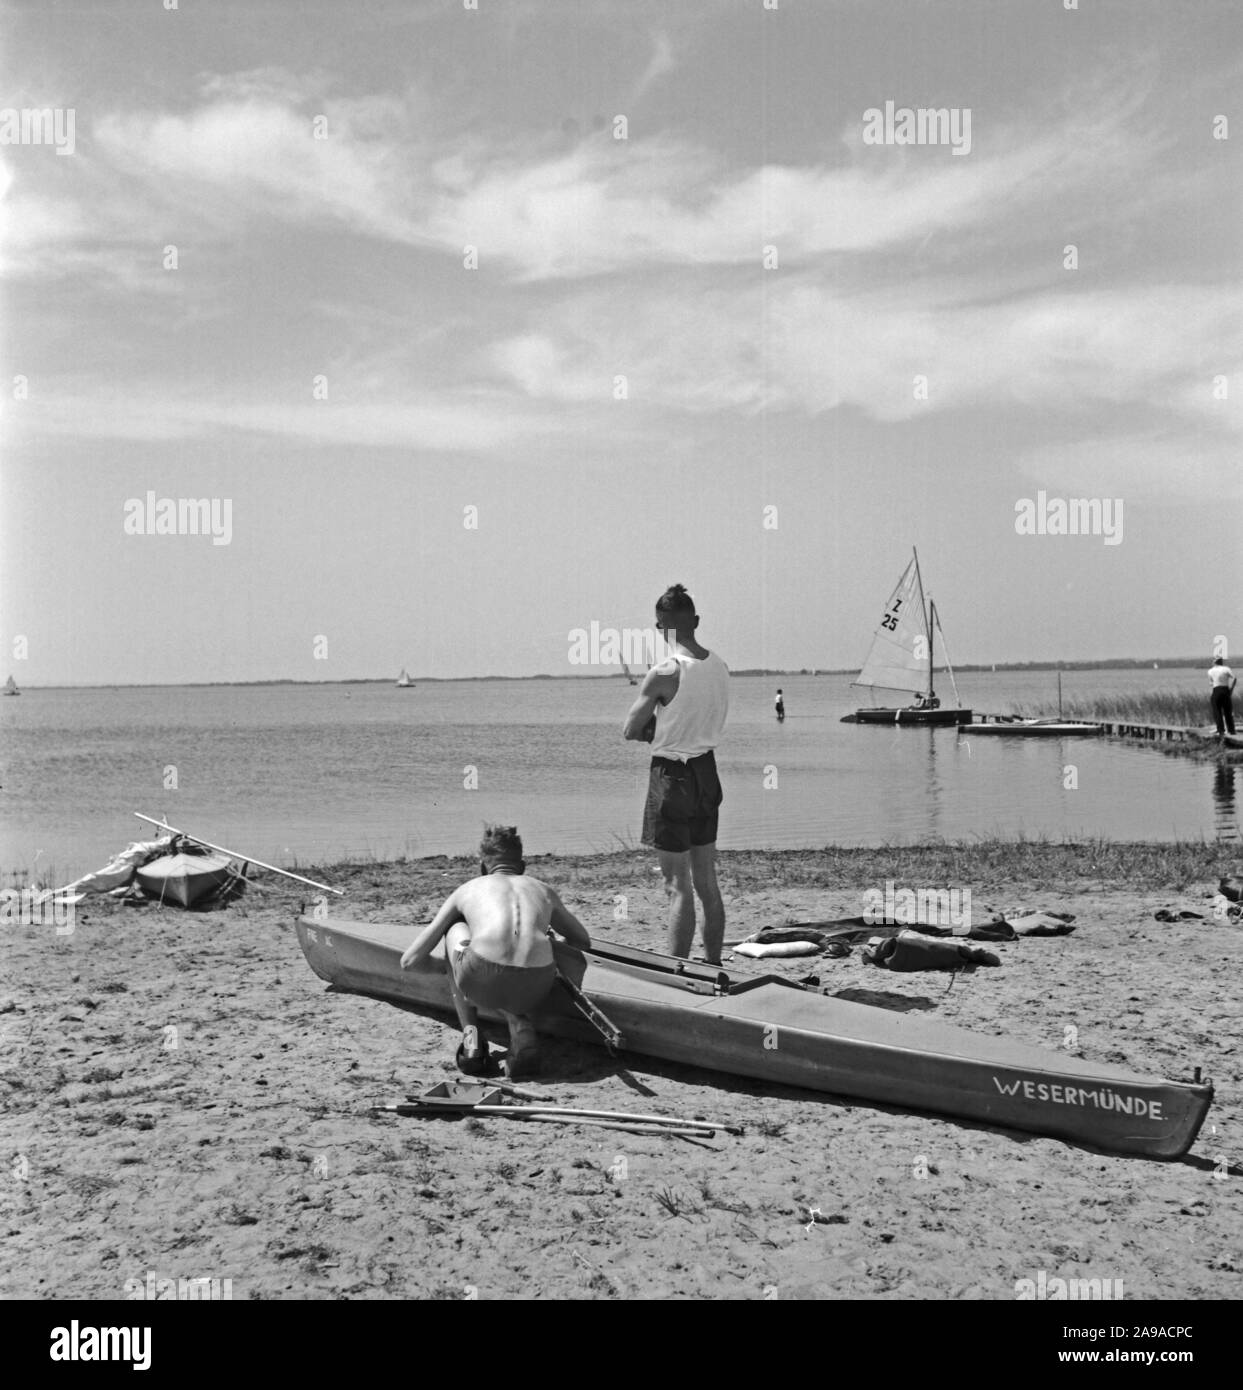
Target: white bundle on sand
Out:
[761,949]
[116,874]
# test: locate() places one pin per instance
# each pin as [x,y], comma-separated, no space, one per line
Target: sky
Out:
[488,324]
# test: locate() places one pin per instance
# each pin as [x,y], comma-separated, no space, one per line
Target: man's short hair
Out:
[675,601]
[501,844]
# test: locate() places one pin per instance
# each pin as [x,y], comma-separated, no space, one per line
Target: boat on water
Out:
[727,1021]
[1016,727]
[901,659]
[184,878]
[10,687]
[627,673]
[403,681]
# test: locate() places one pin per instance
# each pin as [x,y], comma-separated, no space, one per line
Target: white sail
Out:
[899,659]
[10,687]
[403,680]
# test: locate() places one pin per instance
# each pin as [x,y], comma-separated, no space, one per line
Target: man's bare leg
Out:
[523,1046]
[473,1045]
[677,871]
[703,874]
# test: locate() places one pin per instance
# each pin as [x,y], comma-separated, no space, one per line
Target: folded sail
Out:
[899,656]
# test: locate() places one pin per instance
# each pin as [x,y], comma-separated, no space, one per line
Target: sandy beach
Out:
[183,1099]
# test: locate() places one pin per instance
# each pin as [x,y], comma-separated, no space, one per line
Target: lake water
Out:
[314,774]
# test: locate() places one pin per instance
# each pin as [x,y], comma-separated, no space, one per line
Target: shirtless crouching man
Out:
[497,950]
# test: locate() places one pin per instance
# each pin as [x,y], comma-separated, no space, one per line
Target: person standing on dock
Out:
[681,710]
[779,705]
[1223,681]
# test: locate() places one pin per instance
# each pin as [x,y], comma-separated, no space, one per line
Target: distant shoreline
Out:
[987,668]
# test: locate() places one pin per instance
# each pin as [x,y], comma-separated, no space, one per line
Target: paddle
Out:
[599,1020]
[677,1130]
[250,859]
[480,1096]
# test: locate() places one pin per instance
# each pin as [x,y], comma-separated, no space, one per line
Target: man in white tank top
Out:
[681,711]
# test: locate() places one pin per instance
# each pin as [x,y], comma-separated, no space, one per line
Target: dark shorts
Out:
[682,803]
[511,989]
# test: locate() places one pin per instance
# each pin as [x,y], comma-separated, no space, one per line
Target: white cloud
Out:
[800,344]
[388,170]
[464,424]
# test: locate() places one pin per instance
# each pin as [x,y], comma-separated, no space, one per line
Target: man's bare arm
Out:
[425,943]
[658,688]
[565,924]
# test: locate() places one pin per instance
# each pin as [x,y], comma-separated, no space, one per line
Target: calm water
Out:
[320,773]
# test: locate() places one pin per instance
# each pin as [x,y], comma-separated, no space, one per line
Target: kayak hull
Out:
[184,878]
[773,1030]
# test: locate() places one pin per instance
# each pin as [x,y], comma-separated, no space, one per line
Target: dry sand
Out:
[182,1098]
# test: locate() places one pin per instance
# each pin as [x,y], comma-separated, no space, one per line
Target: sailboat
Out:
[403,681]
[902,659]
[10,687]
[626,673]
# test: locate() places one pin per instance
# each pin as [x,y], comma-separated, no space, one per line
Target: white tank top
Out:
[1219,675]
[692,722]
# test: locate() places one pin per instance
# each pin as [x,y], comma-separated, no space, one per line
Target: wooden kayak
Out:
[184,878]
[744,1023]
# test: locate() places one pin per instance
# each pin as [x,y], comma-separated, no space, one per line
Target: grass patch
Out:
[1186,709]
[1037,863]
[675,1204]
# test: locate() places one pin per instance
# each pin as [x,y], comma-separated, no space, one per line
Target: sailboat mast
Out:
[932,623]
[925,615]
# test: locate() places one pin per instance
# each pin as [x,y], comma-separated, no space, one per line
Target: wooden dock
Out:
[1153,733]
[1128,728]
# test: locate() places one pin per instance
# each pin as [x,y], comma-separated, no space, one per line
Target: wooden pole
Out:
[528,1110]
[220,849]
[513,1113]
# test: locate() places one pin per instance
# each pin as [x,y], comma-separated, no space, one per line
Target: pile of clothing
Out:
[908,946]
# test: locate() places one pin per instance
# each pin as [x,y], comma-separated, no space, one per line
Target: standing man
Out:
[681,711]
[1223,681]
[780,705]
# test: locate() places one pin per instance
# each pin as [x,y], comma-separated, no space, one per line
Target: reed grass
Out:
[1184,708]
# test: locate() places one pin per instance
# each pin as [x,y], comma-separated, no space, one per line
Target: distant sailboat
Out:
[404,682]
[902,659]
[10,687]
[626,673]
